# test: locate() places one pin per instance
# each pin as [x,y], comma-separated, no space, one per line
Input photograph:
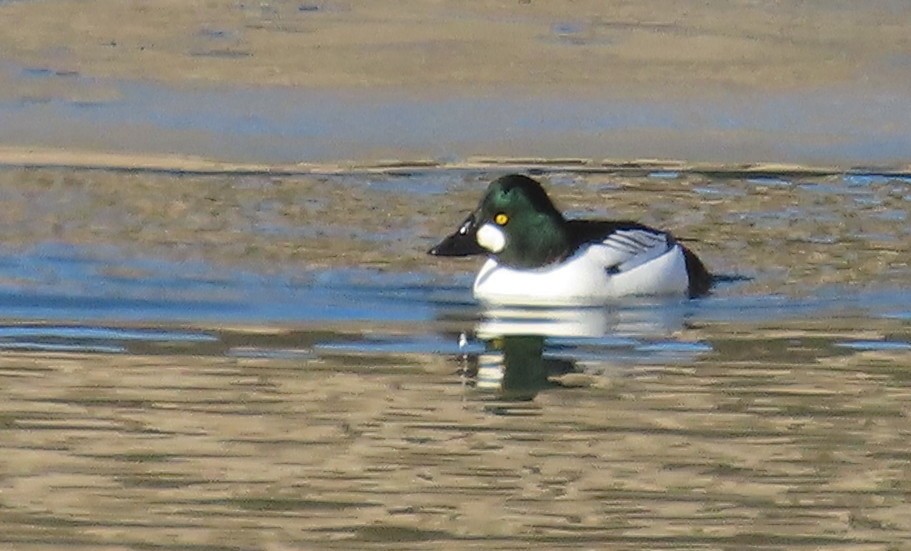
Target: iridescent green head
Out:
[516,223]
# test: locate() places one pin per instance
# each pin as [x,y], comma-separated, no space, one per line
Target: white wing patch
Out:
[624,250]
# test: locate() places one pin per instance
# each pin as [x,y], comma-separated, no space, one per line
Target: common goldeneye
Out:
[538,257]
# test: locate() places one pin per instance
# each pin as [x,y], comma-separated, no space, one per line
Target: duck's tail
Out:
[700,278]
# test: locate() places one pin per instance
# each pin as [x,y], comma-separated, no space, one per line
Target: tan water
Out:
[184,365]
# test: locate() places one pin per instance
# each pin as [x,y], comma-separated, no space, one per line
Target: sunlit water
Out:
[856,123]
[273,363]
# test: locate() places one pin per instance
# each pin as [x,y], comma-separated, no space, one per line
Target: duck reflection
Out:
[527,350]
[514,367]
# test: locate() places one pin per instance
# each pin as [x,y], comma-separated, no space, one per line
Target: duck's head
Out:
[516,223]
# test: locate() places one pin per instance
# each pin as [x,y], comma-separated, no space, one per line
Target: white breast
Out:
[594,275]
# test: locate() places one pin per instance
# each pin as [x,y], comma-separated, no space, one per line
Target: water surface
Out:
[220,362]
[848,124]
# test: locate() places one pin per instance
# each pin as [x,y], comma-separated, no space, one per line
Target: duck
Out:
[536,256]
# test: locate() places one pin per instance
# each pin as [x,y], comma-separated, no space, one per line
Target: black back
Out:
[583,232]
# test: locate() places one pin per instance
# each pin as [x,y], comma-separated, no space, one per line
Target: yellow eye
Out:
[501,219]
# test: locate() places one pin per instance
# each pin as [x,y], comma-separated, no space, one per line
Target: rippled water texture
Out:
[259,362]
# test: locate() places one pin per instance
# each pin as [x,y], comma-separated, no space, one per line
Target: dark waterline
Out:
[67,298]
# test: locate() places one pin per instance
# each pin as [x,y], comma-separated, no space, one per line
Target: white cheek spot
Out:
[491,238]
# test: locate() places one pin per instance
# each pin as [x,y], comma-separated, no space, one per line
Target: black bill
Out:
[463,242]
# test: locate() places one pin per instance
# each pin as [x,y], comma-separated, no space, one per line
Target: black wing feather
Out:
[583,232]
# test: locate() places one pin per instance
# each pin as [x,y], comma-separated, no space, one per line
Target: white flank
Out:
[491,238]
[585,278]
